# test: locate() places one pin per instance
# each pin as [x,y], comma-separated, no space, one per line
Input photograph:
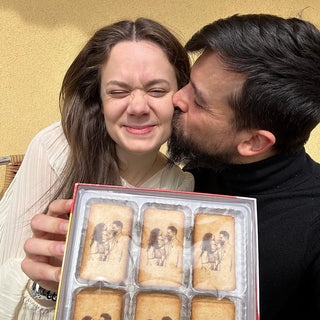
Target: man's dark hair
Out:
[118,223]
[225,234]
[281,58]
[105,316]
[173,229]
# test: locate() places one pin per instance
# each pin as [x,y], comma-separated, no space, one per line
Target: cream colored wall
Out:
[40,38]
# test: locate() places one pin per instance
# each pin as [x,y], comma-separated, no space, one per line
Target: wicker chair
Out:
[12,164]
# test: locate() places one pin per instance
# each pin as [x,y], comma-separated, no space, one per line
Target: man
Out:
[173,248]
[240,126]
[224,252]
[117,242]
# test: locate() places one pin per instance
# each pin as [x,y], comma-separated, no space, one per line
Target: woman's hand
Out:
[44,251]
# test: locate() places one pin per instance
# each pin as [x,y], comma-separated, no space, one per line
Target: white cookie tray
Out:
[187,250]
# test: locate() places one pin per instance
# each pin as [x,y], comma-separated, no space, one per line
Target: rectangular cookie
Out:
[208,308]
[107,243]
[161,255]
[96,303]
[157,306]
[214,252]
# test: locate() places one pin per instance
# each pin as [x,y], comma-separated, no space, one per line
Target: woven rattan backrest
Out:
[12,164]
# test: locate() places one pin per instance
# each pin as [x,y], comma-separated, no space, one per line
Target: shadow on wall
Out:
[88,15]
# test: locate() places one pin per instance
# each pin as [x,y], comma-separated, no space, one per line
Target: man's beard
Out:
[185,151]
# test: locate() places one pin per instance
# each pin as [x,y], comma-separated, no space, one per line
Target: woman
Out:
[100,242]
[207,251]
[156,248]
[116,112]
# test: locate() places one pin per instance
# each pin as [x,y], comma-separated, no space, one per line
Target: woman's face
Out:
[137,84]
[161,240]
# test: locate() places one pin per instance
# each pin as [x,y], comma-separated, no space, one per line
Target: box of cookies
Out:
[143,254]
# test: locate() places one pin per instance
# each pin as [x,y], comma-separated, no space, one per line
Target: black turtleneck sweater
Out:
[287,189]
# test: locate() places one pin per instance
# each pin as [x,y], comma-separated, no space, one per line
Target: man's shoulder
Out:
[206,180]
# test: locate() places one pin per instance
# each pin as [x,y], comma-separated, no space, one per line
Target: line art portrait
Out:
[161,254]
[213,252]
[107,243]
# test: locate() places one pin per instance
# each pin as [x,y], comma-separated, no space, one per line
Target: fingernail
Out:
[64,226]
[59,275]
[68,203]
[60,248]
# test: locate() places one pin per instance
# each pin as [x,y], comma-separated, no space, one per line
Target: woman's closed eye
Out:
[118,93]
[154,92]
[157,92]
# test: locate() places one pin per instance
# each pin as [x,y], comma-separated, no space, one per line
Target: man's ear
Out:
[256,142]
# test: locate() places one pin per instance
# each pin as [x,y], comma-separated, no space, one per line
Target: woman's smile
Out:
[139,130]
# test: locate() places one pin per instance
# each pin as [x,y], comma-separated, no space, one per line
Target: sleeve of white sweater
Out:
[26,196]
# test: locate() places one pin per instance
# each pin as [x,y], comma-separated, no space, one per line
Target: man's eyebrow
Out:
[198,93]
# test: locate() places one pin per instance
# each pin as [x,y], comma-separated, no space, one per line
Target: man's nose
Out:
[180,99]
[138,104]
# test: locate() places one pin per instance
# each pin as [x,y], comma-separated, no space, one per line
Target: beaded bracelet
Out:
[40,293]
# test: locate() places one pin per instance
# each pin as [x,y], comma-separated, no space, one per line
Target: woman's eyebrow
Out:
[156,81]
[126,85]
[117,83]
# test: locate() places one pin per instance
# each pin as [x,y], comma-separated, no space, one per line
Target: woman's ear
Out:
[256,142]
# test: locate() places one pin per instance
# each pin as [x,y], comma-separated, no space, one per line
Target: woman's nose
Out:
[138,104]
